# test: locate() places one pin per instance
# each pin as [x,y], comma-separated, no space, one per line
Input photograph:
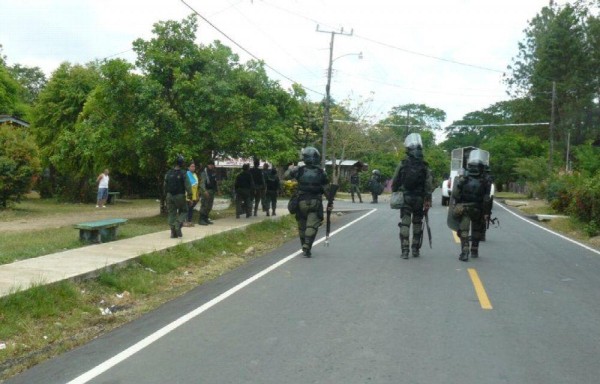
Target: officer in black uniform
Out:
[413,178]
[312,183]
[472,203]
[175,185]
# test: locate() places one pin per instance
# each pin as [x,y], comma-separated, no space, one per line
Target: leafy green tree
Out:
[200,101]
[108,122]
[11,102]
[408,118]
[558,49]
[19,163]
[32,79]
[587,159]
[56,116]
[505,151]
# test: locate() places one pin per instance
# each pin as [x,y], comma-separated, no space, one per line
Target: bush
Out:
[19,163]
[559,191]
[585,200]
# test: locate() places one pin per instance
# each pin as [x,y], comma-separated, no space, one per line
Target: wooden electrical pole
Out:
[552,118]
[327,92]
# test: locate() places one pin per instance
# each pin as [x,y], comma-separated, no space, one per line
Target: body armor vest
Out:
[310,180]
[473,190]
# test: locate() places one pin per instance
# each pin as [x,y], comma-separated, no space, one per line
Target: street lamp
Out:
[328,101]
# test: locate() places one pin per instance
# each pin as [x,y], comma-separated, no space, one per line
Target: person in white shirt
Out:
[102,181]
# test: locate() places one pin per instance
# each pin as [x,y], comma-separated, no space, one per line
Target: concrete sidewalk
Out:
[91,259]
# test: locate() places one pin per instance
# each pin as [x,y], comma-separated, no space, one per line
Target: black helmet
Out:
[311,156]
[180,160]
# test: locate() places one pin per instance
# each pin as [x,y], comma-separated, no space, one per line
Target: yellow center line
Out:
[479,289]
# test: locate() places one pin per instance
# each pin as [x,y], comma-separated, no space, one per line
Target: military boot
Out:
[475,249]
[306,248]
[173,233]
[268,214]
[415,251]
[203,220]
[179,233]
[274,214]
[464,254]
[405,247]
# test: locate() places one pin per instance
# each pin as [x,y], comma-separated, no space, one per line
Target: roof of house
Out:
[13,120]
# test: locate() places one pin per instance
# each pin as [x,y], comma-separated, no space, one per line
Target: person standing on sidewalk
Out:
[244,185]
[355,185]
[102,181]
[259,185]
[176,185]
[273,188]
[208,189]
[192,199]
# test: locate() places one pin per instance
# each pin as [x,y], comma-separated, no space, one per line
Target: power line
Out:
[245,50]
[429,56]
[496,125]
[390,45]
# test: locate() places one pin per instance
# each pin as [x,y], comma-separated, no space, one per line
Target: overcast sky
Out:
[410,48]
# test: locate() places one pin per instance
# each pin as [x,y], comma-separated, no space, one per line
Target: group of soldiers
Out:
[470,209]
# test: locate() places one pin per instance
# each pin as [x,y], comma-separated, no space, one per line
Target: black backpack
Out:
[413,176]
[174,182]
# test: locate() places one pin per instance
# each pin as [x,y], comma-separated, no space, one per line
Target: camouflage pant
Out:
[354,188]
[270,200]
[259,197]
[177,208]
[206,203]
[411,212]
[471,218]
[309,218]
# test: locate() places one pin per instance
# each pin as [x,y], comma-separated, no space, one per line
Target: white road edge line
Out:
[106,365]
[549,230]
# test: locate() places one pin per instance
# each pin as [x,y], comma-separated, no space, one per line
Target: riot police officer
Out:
[413,178]
[472,203]
[312,182]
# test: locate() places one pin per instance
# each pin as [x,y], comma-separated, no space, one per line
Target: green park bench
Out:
[99,231]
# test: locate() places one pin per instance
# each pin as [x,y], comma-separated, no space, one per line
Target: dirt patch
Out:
[87,213]
[121,210]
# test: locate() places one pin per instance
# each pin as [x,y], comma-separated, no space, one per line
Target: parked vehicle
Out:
[458,163]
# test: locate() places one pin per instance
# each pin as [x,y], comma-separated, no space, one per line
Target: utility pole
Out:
[327,91]
[552,118]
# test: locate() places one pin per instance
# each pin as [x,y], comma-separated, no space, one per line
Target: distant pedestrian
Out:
[244,186]
[259,185]
[176,185]
[355,185]
[102,181]
[375,185]
[208,189]
[273,188]
[193,198]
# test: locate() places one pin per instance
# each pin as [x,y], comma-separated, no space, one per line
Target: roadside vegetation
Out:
[46,320]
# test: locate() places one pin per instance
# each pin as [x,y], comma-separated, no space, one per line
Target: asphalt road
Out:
[526,311]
